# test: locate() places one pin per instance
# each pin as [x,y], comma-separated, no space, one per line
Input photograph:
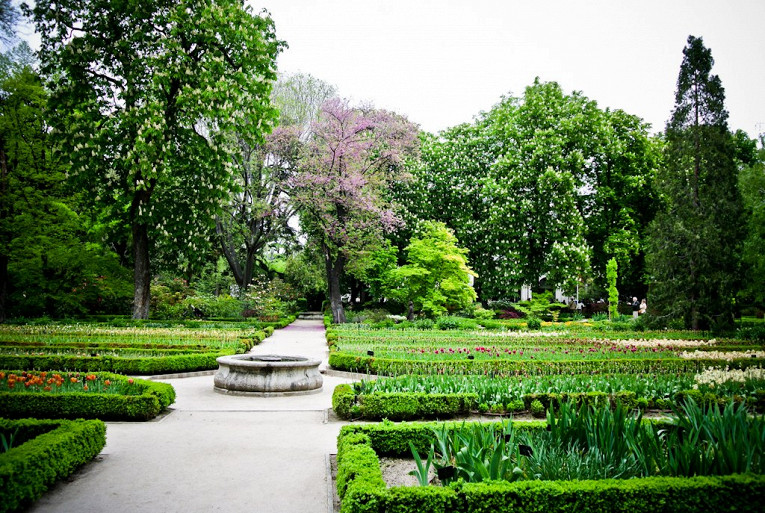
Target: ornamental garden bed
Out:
[443,396]
[143,351]
[392,353]
[41,452]
[580,460]
[72,395]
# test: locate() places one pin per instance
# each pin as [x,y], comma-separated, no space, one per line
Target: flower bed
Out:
[51,450]
[413,397]
[361,486]
[72,395]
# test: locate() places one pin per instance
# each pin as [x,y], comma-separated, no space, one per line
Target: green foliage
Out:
[537,409]
[533,323]
[149,123]
[643,495]
[539,306]
[28,470]
[436,278]
[751,182]
[695,239]
[129,365]
[613,294]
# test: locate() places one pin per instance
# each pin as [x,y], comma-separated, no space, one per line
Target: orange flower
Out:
[107,383]
[84,387]
[73,380]
[130,381]
[47,389]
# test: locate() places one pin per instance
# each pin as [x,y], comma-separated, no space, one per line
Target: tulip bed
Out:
[73,395]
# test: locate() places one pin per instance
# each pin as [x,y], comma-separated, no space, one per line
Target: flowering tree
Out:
[149,99]
[256,215]
[352,157]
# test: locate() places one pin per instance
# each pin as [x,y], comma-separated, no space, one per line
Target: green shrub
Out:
[537,409]
[533,323]
[61,446]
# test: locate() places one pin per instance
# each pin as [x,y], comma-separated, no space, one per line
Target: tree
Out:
[258,211]
[613,293]
[752,186]
[341,189]
[545,184]
[695,239]
[48,263]
[149,99]
[436,277]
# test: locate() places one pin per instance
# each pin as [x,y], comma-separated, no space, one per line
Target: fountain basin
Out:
[267,375]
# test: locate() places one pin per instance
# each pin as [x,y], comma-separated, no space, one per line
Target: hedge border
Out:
[28,470]
[154,398]
[419,405]
[351,362]
[362,489]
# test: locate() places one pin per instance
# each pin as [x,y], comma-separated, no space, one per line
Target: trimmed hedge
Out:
[137,366]
[362,488]
[390,367]
[400,405]
[27,470]
[154,398]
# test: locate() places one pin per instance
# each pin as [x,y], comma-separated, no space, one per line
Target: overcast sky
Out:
[440,62]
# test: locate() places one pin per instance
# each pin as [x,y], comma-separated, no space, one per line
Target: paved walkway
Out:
[216,452]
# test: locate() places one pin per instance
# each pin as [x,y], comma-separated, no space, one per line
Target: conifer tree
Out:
[695,240]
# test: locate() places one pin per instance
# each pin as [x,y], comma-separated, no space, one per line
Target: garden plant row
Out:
[489,471]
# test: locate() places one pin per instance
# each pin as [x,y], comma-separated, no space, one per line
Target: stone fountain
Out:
[267,375]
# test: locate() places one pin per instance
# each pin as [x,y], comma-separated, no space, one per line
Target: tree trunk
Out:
[249,265]
[334,272]
[141,273]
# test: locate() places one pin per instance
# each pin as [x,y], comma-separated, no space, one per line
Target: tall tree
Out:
[436,277]
[352,157]
[257,213]
[695,239]
[541,185]
[149,98]
[47,263]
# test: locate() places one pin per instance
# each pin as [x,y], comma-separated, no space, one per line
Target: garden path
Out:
[217,452]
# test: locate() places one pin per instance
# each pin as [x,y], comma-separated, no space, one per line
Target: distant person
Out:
[643,307]
[635,308]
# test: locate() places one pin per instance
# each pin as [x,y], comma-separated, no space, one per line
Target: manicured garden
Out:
[61,371]
[587,459]
[592,387]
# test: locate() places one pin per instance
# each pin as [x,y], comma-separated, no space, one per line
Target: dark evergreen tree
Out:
[695,241]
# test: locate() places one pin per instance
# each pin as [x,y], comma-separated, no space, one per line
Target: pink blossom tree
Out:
[353,156]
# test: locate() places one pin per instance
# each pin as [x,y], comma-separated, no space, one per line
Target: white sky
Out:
[441,62]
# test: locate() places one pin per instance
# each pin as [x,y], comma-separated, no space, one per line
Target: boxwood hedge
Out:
[362,489]
[55,450]
[352,362]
